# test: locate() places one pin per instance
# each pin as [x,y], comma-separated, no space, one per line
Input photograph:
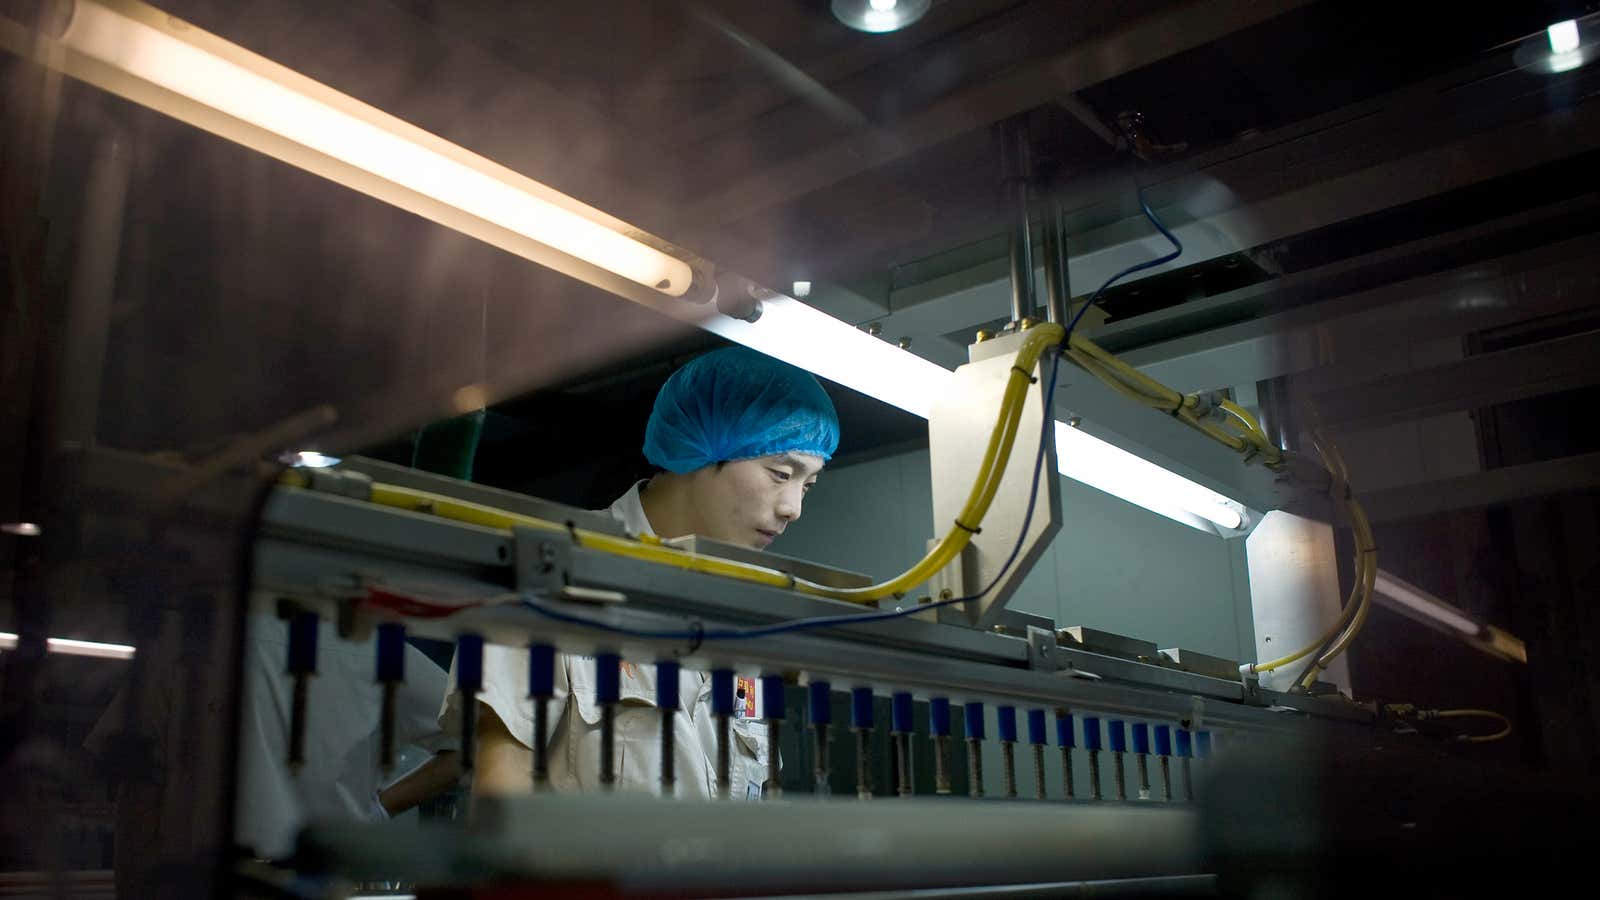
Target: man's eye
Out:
[780,474]
[806,488]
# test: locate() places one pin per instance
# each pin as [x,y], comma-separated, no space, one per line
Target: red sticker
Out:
[746,690]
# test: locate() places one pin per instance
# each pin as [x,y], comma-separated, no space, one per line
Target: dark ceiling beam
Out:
[1496,487]
[1015,90]
[1485,380]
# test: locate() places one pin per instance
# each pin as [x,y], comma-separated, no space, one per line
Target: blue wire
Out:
[728,634]
[1177,251]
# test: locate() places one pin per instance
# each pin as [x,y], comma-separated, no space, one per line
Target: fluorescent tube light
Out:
[1423,603]
[178,58]
[1563,36]
[70,647]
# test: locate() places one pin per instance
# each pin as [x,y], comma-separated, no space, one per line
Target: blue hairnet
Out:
[734,404]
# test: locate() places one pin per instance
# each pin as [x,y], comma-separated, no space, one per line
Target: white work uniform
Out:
[574,757]
[341,774]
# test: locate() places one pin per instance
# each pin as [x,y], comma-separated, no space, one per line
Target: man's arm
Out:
[423,783]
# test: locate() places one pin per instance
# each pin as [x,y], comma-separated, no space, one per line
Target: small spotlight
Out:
[20,529]
[802,290]
[1563,36]
[878,16]
[308,459]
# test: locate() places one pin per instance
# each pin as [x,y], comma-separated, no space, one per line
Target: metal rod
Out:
[1066,773]
[1008,767]
[1038,772]
[1188,781]
[469,733]
[541,742]
[941,764]
[863,764]
[1166,779]
[1144,777]
[297,723]
[903,765]
[386,728]
[974,768]
[1017,171]
[1094,775]
[608,745]
[1120,776]
[724,756]
[669,759]
[774,764]
[1057,286]
[819,737]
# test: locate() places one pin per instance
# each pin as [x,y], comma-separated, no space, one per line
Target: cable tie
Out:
[572,532]
[967,528]
[1025,374]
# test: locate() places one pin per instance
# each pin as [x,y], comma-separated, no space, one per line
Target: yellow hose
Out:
[1505,723]
[986,483]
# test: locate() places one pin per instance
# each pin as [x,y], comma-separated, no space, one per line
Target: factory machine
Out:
[922,737]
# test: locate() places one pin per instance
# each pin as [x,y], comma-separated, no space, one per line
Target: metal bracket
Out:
[1042,651]
[543,560]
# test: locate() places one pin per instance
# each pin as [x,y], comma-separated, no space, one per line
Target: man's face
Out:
[751,502]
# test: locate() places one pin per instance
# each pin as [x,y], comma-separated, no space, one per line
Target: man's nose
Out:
[789,502]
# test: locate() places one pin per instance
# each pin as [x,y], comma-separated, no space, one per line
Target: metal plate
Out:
[799,568]
[1201,664]
[1096,641]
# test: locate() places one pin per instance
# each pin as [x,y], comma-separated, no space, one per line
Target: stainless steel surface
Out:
[803,844]
[1294,591]
[824,575]
[968,408]
[510,501]
[1109,644]
[1201,664]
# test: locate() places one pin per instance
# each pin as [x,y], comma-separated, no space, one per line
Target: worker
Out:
[738,438]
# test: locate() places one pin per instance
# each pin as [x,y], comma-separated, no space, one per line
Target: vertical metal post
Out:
[1037,739]
[1006,723]
[1065,739]
[1016,171]
[722,707]
[541,687]
[667,700]
[1057,284]
[608,691]
[469,681]
[972,720]
[772,710]
[900,726]
[821,708]
[939,727]
[1091,743]
[391,672]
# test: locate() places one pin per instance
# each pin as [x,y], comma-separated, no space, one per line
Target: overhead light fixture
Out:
[308,459]
[1414,599]
[1105,466]
[70,647]
[802,290]
[1563,36]
[878,16]
[1559,48]
[21,529]
[141,53]
[1420,606]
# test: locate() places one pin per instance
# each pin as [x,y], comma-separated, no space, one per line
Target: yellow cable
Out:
[991,470]
[1505,723]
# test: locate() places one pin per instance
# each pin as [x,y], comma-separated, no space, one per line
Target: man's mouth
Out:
[767,537]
